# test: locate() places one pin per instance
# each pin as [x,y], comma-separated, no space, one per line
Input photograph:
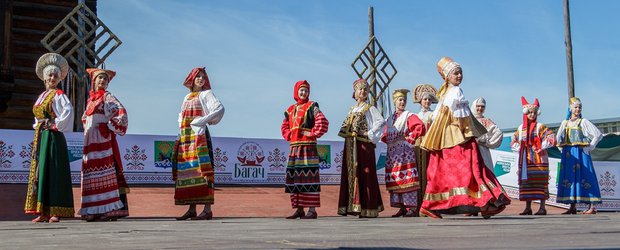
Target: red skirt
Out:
[459,182]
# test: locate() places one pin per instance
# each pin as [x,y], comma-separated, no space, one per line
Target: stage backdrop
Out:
[146,158]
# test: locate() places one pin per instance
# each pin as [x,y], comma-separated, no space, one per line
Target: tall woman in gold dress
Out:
[457,179]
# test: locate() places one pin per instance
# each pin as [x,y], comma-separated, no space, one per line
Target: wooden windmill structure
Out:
[374,65]
[32,28]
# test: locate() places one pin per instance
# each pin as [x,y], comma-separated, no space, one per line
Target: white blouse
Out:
[455,100]
[425,116]
[62,108]
[212,108]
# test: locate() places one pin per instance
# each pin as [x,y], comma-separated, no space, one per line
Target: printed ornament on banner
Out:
[26,154]
[6,154]
[135,157]
[219,160]
[277,160]
[338,160]
[607,183]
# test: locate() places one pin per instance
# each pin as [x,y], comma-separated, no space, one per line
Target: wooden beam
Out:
[5,68]
[569,51]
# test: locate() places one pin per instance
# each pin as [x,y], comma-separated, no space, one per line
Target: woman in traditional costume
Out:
[457,179]
[490,140]
[192,167]
[531,140]
[303,124]
[104,188]
[50,195]
[362,129]
[425,95]
[401,175]
[577,179]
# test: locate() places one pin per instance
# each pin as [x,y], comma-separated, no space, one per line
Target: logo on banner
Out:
[26,154]
[382,160]
[6,152]
[501,168]
[163,154]
[277,159]
[325,161]
[135,158]
[250,156]
[75,148]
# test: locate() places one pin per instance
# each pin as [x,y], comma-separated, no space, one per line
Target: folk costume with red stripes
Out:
[531,140]
[192,167]
[104,188]
[457,179]
[359,187]
[401,175]
[303,124]
[49,184]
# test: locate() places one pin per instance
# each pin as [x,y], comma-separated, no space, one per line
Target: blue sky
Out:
[255,51]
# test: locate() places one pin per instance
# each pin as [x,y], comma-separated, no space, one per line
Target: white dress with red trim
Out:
[103,180]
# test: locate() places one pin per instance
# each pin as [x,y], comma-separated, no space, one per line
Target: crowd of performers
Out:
[438,161]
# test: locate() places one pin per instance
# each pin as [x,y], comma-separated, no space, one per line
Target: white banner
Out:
[146,158]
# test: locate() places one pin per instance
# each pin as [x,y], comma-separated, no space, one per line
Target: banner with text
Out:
[146,158]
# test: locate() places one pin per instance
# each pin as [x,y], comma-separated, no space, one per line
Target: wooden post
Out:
[372,78]
[82,79]
[569,51]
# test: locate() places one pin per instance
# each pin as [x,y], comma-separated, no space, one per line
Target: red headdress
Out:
[298,85]
[189,80]
[527,108]
[93,73]
[531,125]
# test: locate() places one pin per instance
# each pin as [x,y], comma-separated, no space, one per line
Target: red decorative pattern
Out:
[607,183]
[135,158]
[6,153]
[277,159]
[219,160]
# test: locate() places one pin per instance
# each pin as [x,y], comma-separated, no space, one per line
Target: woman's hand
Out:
[47,124]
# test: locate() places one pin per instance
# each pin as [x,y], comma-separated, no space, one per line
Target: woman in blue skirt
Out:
[577,179]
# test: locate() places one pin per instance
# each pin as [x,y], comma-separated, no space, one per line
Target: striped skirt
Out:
[302,176]
[195,176]
[536,186]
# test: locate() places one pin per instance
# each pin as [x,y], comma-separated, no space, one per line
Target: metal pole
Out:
[372,79]
[569,51]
